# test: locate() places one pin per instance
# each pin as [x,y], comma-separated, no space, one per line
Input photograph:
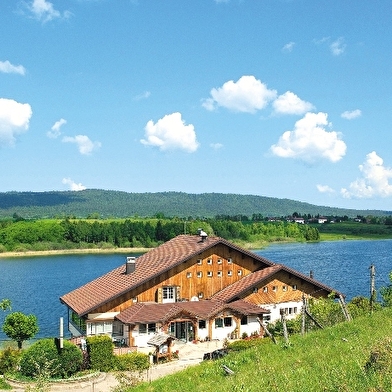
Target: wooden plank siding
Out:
[219,267]
[282,287]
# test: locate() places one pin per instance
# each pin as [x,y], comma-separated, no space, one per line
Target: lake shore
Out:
[74,252]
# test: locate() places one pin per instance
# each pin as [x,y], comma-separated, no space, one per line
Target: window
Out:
[219,273]
[147,328]
[189,274]
[265,289]
[202,324]
[229,273]
[200,295]
[255,290]
[209,261]
[199,261]
[209,274]
[229,260]
[294,287]
[284,288]
[274,288]
[168,294]
[142,328]
[239,272]
[227,321]
[219,261]
[244,320]
[218,323]
[199,274]
[118,328]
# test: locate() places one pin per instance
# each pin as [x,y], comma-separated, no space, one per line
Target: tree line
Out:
[49,234]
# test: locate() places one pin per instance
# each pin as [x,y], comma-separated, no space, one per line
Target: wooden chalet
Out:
[192,287]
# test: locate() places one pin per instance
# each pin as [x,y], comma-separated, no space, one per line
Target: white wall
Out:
[292,310]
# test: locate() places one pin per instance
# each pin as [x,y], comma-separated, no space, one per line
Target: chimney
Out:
[202,234]
[130,265]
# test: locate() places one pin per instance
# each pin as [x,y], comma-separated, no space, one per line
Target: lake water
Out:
[35,284]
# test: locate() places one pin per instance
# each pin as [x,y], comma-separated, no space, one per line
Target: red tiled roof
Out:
[151,264]
[204,309]
[249,281]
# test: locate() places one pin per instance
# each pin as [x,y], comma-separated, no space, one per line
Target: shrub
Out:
[45,357]
[380,359]
[133,361]
[9,360]
[100,350]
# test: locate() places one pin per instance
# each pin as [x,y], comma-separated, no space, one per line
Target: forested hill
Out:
[104,204]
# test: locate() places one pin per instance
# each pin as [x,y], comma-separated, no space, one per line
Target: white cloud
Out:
[44,11]
[7,67]
[55,131]
[350,115]
[290,103]
[324,189]
[338,47]
[373,182]
[248,95]
[170,133]
[141,96]
[310,141]
[85,145]
[288,47]
[14,120]
[216,146]
[73,186]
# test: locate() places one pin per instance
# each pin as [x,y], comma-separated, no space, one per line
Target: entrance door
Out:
[182,330]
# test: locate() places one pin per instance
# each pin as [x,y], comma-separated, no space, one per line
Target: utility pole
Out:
[372,287]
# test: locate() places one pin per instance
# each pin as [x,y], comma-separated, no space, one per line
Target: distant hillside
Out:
[122,204]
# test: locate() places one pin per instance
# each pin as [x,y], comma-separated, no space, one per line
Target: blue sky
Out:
[281,98]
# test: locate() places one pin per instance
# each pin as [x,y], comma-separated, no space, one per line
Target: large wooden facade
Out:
[190,269]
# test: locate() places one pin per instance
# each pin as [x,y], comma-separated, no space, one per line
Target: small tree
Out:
[20,327]
[386,293]
[5,304]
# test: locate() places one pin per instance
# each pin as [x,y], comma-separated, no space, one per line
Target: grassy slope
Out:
[327,360]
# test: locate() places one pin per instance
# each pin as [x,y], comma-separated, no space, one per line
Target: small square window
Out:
[274,288]
[239,272]
[294,287]
[227,321]
[255,290]
[229,273]
[219,261]
[229,260]
[209,261]
[199,261]
[265,289]
[189,274]
[218,323]
[199,274]
[219,273]
[284,288]
[209,274]
[200,295]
